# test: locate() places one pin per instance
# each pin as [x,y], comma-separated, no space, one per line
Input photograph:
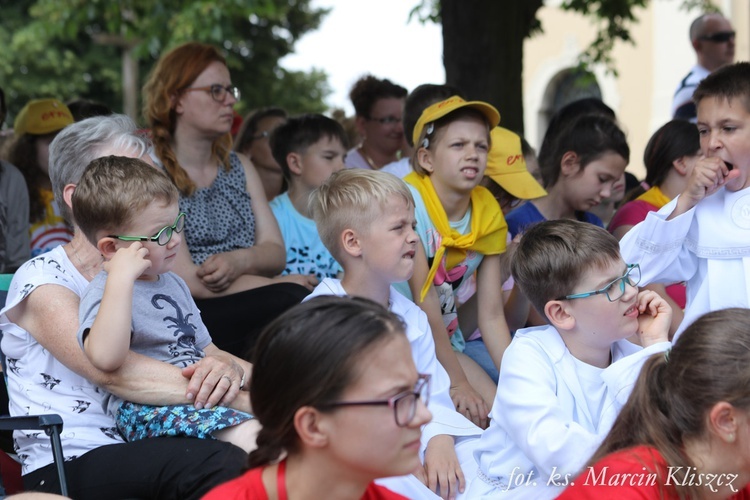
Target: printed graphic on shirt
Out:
[184,350]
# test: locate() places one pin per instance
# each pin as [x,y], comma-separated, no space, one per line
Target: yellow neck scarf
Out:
[488,228]
[655,197]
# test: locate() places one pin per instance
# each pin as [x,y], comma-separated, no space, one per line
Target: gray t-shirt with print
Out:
[166,323]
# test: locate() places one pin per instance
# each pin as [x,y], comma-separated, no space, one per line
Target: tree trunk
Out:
[488,34]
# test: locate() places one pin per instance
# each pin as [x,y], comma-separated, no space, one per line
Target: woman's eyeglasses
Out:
[218,92]
[162,237]
[404,404]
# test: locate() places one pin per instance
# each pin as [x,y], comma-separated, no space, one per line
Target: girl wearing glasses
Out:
[340,402]
[233,245]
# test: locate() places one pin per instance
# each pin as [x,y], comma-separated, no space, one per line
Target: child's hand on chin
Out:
[655,317]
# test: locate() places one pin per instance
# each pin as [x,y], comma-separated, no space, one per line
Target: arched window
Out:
[567,86]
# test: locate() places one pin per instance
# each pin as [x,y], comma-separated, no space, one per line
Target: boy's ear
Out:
[350,242]
[311,426]
[294,162]
[558,315]
[569,163]
[425,160]
[107,247]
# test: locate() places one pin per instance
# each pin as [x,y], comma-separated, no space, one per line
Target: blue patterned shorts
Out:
[137,422]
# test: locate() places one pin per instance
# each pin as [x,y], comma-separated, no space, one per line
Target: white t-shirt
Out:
[38,383]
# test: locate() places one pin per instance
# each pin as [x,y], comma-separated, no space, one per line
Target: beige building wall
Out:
[648,72]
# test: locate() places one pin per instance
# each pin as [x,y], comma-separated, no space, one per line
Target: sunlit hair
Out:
[669,406]
[726,83]
[434,135]
[308,357]
[174,72]
[114,190]
[353,198]
[553,257]
[80,143]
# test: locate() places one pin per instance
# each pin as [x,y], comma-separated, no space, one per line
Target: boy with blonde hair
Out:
[561,385]
[702,236]
[366,220]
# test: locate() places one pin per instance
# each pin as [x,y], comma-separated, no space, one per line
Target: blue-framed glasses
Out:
[162,237]
[404,404]
[614,289]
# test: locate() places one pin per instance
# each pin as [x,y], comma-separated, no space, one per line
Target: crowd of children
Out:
[470,332]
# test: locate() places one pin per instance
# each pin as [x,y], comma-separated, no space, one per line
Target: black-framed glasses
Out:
[404,404]
[262,135]
[162,237]
[387,120]
[615,288]
[218,92]
[718,37]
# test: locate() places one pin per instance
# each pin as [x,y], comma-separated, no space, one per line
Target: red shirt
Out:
[639,473]
[249,486]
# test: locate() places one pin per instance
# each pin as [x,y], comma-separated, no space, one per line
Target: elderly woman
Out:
[49,373]
[234,250]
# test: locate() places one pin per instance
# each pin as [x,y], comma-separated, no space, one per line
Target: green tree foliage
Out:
[74,48]
[488,64]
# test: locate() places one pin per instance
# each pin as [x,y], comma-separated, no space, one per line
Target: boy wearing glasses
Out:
[562,385]
[366,220]
[138,304]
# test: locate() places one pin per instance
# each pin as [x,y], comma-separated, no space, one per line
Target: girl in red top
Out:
[685,431]
[340,401]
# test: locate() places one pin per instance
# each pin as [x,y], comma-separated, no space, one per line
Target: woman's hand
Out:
[442,471]
[214,380]
[470,404]
[220,270]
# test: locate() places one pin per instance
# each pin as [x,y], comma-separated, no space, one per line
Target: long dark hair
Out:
[22,153]
[709,363]
[308,357]
[674,140]
[589,136]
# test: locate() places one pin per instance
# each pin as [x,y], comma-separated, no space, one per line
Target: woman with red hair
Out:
[234,247]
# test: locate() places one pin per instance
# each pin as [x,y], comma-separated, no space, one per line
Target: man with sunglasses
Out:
[712,37]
